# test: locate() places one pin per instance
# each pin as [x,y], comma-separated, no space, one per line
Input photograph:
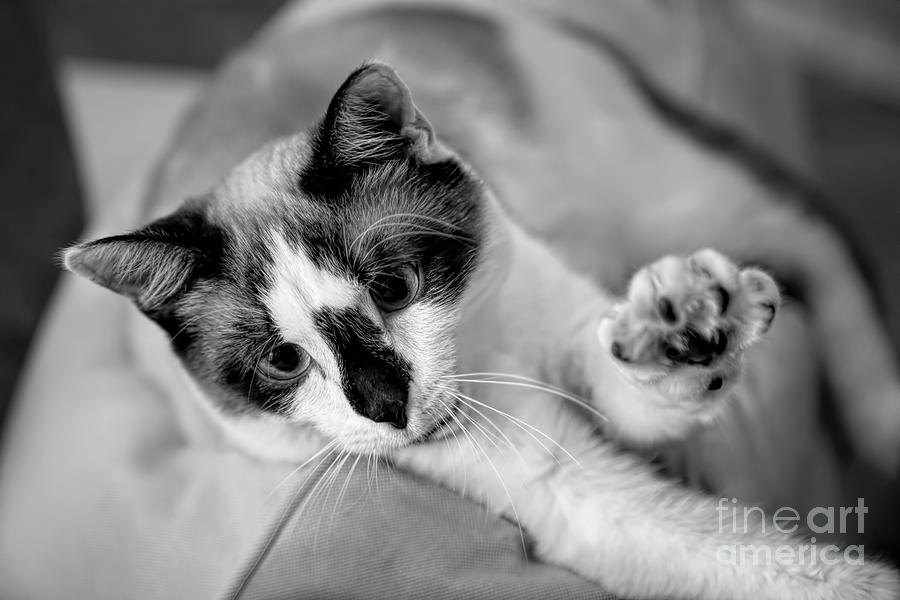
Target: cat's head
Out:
[321,280]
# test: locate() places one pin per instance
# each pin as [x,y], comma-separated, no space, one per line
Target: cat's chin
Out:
[276,439]
[426,430]
[279,440]
[271,440]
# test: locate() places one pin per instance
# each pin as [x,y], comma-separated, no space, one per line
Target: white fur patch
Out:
[299,289]
[416,334]
[313,288]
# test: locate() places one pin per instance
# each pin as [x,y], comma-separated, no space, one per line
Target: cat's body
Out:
[556,137]
[276,258]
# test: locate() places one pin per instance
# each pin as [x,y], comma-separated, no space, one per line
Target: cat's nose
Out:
[375,378]
[382,393]
[393,413]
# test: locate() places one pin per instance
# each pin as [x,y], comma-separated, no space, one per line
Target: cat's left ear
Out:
[151,266]
[372,118]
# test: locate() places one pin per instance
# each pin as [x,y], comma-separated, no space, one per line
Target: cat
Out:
[356,284]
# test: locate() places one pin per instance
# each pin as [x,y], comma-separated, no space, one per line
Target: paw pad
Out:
[692,348]
[667,310]
[724,298]
[692,311]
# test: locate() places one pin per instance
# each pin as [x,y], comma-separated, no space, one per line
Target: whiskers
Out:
[480,449]
[479,420]
[527,383]
[330,447]
[482,434]
[293,509]
[538,436]
[409,224]
[320,493]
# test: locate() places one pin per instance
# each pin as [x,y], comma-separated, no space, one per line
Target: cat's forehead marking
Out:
[298,290]
[296,275]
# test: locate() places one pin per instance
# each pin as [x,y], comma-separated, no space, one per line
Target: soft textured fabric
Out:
[388,535]
[104,495]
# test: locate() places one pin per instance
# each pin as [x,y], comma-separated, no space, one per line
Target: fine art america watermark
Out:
[823,520]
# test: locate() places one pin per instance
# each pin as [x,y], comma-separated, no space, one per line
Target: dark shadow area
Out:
[41,207]
[856,145]
[196,33]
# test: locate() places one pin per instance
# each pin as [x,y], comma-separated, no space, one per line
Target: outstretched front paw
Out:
[687,321]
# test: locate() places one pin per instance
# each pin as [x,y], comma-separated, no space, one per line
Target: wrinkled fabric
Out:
[384,534]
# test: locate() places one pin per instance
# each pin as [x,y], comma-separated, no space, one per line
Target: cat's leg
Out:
[606,515]
[672,351]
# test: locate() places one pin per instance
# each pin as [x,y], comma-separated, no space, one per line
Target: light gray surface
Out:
[393,536]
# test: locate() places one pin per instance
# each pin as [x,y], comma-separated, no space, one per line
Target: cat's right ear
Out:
[371,119]
[151,266]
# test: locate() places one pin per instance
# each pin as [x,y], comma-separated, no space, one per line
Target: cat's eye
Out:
[284,363]
[394,290]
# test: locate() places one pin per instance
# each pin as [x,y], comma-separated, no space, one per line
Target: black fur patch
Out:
[189,229]
[218,324]
[442,227]
[374,378]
